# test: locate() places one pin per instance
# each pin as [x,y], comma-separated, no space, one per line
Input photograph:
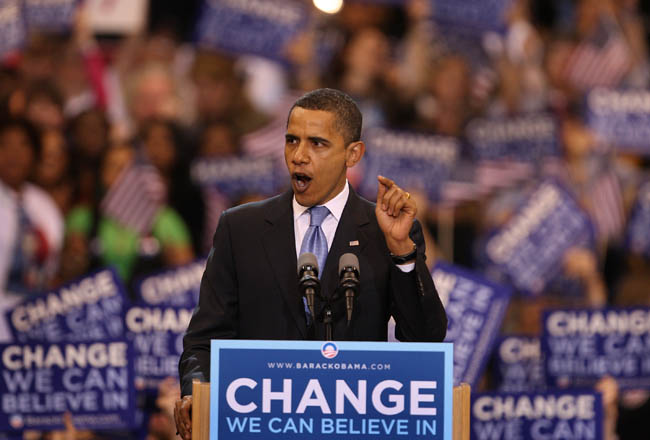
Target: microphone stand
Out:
[327,320]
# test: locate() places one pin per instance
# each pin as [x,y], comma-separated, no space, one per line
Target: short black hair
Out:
[348,118]
[29,129]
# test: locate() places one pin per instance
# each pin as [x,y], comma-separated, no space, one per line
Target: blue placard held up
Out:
[50,15]
[412,160]
[621,117]
[527,138]
[236,177]
[338,390]
[158,320]
[475,308]
[529,248]
[519,364]
[569,415]
[88,309]
[259,27]
[91,380]
[583,345]
[637,236]
[12,26]
[471,15]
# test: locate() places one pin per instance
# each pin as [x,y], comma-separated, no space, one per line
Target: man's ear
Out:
[354,153]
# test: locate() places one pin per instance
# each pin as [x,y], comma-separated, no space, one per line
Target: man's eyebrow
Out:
[319,139]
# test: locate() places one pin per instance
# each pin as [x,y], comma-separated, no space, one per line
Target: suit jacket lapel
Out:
[348,231]
[280,246]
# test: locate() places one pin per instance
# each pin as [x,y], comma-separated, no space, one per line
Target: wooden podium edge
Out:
[461,412]
[200,410]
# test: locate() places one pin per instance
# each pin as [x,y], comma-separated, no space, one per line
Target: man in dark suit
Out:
[250,286]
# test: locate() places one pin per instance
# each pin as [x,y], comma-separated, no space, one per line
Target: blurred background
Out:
[127,127]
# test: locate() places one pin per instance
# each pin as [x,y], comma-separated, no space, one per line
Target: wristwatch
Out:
[403,259]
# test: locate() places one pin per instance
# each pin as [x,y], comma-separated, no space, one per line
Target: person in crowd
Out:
[218,139]
[104,240]
[89,136]
[164,147]
[44,106]
[256,246]
[31,235]
[221,93]
[53,172]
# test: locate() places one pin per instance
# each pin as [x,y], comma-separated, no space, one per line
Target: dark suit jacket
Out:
[249,288]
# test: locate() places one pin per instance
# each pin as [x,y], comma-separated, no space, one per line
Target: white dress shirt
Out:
[301,220]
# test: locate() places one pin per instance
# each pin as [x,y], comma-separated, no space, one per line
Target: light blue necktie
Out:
[316,243]
[315,240]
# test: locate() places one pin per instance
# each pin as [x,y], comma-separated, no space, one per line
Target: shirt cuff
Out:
[408,267]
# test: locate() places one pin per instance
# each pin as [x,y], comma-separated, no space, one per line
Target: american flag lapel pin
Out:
[354,243]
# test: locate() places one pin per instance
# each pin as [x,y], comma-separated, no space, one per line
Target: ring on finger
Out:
[408,195]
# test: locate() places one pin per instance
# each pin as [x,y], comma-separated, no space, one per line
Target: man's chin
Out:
[303,199]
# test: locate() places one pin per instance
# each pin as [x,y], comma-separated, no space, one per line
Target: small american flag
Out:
[135,198]
[269,140]
[606,199]
[602,61]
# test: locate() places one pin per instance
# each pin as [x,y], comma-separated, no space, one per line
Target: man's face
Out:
[16,157]
[316,156]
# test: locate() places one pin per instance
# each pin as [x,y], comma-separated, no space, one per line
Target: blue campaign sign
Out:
[236,176]
[519,364]
[173,287]
[412,160]
[474,15]
[530,247]
[52,15]
[475,308]
[157,336]
[260,27]
[335,389]
[582,345]
[568,415]
[90,308]
[12,26]
[93,381]
[621,117]
[637,236]
[157,322]
[527,138]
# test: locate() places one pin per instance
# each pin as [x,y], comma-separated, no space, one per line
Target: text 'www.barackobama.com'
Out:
[326,366]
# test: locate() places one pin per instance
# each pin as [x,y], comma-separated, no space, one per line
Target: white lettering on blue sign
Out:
[88,291]
[97,355]
[564,407]
[145,319]
[514,350]
[159,288]
[313,396]
[544,201]
[570,323]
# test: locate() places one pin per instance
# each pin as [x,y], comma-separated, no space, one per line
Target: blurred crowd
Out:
[78,110]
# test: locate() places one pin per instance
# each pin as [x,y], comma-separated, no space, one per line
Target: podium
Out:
[311,389]
[201,411]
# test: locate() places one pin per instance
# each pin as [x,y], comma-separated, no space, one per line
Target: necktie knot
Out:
[317,215]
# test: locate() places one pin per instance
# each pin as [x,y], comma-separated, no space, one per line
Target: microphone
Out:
[309,284]
[349,280]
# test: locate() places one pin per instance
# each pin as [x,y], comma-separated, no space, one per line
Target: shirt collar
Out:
[335,206]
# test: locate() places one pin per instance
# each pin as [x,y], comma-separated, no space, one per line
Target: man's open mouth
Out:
[301,181]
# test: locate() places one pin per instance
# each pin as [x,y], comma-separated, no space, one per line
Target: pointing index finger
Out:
[385,181]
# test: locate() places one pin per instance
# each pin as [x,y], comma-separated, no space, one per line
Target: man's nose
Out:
[301,155]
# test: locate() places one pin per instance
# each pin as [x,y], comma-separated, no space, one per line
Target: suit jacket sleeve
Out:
[215,315]
[415,304]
